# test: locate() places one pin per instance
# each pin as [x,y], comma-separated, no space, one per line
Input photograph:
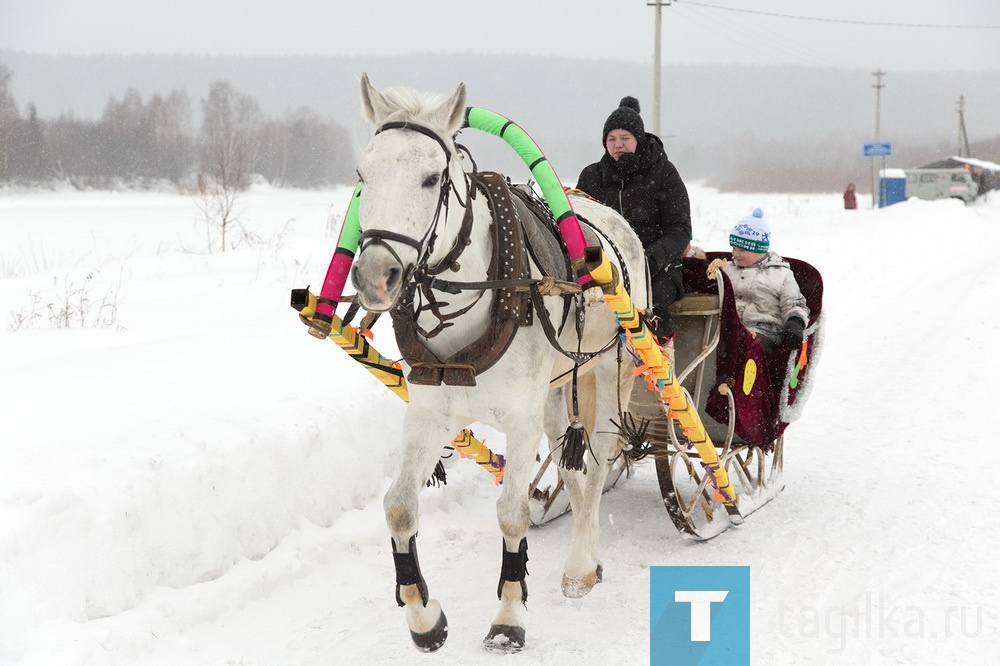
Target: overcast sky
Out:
[746,31]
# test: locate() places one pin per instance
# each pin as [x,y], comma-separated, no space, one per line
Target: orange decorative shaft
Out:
[660,378]
[390,373]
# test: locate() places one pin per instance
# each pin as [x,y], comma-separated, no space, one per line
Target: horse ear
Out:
[372,102]
[456,110]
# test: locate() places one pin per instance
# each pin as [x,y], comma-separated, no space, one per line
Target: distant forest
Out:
[100,120]
[147,143]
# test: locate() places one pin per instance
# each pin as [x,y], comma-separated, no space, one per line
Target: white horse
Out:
[415,211]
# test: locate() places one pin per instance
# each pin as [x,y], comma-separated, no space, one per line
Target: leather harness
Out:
[512,305]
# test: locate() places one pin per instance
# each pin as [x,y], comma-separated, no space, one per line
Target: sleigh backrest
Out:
[756,377]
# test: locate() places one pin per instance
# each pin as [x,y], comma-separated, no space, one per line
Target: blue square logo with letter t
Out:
[699,616]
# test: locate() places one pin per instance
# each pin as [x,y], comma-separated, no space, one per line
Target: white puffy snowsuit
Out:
[767,296]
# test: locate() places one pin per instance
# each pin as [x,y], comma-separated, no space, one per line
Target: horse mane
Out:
[407,105]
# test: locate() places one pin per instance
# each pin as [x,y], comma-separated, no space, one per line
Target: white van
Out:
[941,184]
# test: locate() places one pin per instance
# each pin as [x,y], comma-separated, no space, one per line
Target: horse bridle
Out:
[425,245]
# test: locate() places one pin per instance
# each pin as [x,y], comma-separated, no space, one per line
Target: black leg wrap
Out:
[408,570]
[514,569]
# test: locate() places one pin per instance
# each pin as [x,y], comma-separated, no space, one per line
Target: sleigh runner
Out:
[512,349]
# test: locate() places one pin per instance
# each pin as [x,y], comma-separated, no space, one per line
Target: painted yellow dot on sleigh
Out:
[749,376]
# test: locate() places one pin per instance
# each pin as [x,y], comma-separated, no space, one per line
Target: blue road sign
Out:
[878,149]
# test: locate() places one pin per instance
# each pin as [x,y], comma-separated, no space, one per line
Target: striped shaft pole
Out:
[469,447]
[660,378]
[390,373]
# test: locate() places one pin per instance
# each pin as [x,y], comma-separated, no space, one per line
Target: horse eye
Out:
[431,181]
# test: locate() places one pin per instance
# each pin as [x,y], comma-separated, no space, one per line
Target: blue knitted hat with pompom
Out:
[752,233]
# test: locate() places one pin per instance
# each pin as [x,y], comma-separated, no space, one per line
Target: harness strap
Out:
[508,273]
[462,240]
[578,358]
[547,286]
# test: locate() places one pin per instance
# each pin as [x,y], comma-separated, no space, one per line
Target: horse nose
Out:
[392,279]
[357,279]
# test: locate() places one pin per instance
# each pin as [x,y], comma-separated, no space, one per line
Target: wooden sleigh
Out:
[745,396]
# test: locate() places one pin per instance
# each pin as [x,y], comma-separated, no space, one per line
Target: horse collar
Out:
[510,310]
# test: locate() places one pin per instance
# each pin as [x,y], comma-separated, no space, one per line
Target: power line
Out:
[747,37]
[831,20]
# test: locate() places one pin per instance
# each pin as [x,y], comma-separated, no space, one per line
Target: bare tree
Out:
[124,137]
[31,151]
[304,150]
[229,143]
[10,121]
[170,118]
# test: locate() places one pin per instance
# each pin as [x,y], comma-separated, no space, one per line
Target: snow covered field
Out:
[187,477]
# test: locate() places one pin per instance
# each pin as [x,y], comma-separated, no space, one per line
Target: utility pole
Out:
[963,138]
[878,74]
[659,4]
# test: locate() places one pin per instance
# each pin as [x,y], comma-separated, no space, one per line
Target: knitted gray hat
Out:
[625,117]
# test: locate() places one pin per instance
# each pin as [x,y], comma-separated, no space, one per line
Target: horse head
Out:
[411,174]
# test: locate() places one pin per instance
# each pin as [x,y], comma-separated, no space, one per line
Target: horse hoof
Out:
[504,638]
[574,588]
[431,641]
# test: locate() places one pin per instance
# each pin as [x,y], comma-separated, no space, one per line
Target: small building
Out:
[891,187]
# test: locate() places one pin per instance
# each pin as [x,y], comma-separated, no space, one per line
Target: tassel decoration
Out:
[575,443]
[636,445]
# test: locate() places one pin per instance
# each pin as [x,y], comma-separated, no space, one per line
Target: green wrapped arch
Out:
[544,175]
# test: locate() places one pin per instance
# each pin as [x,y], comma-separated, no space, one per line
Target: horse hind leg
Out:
[583,569]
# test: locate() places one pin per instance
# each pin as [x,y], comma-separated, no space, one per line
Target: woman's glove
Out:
[655,258]
[792,335]
[658,259]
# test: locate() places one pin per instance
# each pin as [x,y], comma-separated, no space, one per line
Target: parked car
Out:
[941,184]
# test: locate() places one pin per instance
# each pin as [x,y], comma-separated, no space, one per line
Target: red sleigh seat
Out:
[769,388]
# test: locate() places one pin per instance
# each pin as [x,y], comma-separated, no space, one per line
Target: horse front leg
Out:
[507,631]
[423,434]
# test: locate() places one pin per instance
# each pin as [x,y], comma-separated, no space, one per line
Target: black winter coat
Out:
[647,190]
